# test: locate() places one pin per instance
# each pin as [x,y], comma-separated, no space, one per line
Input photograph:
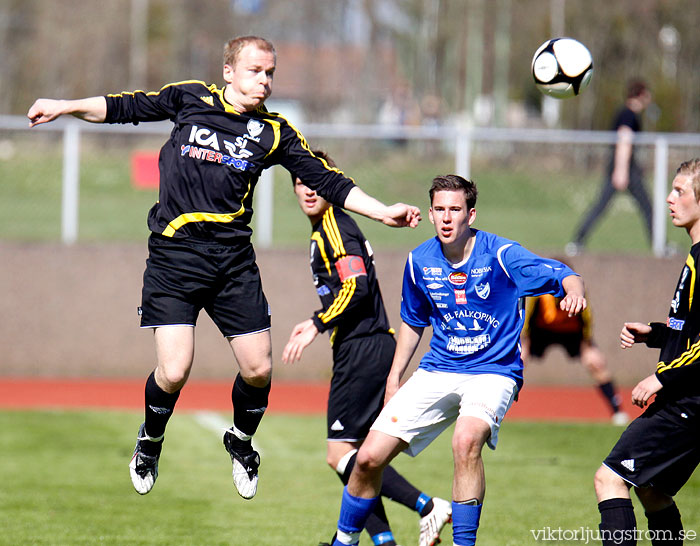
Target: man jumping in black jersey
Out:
[342,265]
[200,254]
[660,449]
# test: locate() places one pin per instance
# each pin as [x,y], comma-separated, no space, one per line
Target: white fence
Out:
[461,139]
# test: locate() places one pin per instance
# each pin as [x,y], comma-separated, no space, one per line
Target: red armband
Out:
[349,267]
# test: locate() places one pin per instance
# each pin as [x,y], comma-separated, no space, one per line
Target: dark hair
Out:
[321,155]
[232,48]
[453,182]
[635,88]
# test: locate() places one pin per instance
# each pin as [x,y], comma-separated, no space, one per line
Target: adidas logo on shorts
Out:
[337,425]
[628,464]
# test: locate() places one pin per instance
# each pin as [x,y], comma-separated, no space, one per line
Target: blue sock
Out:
[354,512]
[421,503]
[383,538]
[465,522]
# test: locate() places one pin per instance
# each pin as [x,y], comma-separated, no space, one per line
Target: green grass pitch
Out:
[65,482]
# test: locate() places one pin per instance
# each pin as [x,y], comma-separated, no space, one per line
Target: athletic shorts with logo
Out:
[661,447]
[360,368]
[184,276]
[431,401]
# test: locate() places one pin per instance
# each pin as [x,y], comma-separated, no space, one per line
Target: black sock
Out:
[377,525]
[608,390]
[667,526]
[249,405]
[398,489]
[617,522]
[159,407]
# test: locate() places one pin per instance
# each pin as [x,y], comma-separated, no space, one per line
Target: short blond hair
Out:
[232,48]
[691,169]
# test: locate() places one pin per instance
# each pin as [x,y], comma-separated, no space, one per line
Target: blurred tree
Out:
[342,59]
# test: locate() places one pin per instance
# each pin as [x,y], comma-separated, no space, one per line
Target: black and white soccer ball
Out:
[562,67]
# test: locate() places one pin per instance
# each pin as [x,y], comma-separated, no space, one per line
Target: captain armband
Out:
[350,267]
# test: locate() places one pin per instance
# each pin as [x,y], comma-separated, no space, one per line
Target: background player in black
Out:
[200,255]
[623,172]
[546,325]
[660,449]
[342,265]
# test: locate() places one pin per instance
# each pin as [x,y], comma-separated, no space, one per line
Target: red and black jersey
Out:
[342,264]
[212,161]
[679,337]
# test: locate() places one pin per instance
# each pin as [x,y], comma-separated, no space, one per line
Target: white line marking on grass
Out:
[213,421]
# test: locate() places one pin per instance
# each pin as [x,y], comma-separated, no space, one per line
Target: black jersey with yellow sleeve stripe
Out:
[342,264]
[212,161]
[679,337]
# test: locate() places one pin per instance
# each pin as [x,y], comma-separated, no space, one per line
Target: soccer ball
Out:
[562,67]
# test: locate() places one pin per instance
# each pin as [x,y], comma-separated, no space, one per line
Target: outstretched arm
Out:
[93,109]
[397,215]
[575,300]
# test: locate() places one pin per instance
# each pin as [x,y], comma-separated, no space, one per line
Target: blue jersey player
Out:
[468,286]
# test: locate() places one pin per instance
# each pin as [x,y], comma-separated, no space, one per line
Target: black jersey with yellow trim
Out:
[212,161]
[350,295]
[679,337]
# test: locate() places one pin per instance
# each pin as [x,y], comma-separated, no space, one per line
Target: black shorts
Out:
[541,339]
[360,368]
[184,276]
[661,447]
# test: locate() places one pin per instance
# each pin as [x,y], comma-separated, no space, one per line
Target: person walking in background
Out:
[200,253]
[623,173]
[546,325]
[467,285]
[352,312]
[660,449]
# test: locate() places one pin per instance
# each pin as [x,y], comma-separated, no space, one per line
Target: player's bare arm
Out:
[575,299]
[92,109]
[397,215]
[634,332]
[301,337]
[623,152]
[406,345]
[645,389]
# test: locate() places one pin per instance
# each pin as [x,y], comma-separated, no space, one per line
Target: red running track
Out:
[536,403]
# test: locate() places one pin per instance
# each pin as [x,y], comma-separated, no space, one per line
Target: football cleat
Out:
[432,524]
[620,419]
[144,468]
[245,466]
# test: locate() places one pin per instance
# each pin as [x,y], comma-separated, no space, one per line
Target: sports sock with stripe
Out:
[249,405]
[159,407]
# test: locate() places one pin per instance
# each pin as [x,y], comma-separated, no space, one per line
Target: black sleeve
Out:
[296,156]
[658,335]
[142,106]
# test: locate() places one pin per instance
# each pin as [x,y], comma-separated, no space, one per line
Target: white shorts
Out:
[429,402]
